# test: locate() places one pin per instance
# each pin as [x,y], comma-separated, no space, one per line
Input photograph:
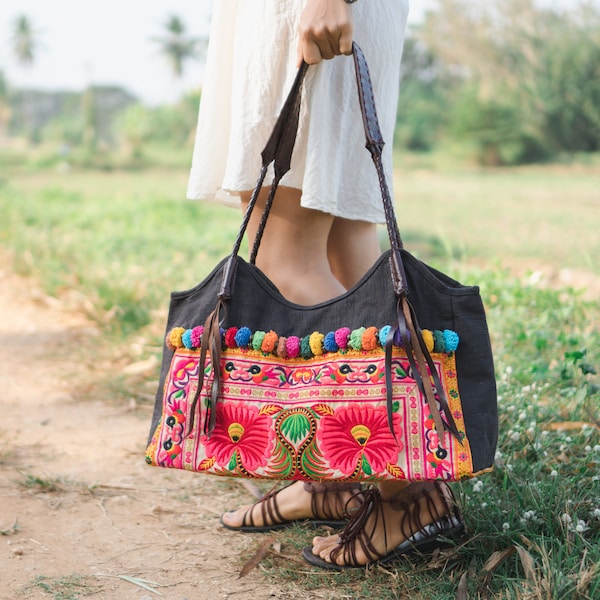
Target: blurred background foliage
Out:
[508,81]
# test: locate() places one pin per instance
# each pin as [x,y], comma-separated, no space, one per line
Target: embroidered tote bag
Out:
[392,380]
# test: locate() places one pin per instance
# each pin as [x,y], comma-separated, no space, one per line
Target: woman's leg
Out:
[352,248]
[293,249]
[294,255]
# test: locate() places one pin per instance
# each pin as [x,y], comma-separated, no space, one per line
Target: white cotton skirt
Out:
[250,67]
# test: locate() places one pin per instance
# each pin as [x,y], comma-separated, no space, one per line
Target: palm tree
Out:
[24,41]
[176,45]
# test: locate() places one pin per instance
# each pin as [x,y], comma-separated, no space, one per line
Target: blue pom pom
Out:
[242,337]
[450,340]
[383,334]
[329,342]
[186,338]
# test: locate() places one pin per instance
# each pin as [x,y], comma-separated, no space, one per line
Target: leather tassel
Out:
[417,350]
[211,340]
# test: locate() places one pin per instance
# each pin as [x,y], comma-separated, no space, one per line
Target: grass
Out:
[68,587]
[124,240]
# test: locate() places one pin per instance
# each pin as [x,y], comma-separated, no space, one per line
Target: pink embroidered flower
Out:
[359,436]
[183,368]
[243,430]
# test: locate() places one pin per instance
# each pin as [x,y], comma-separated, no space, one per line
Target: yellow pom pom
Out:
[174,338]
[428,339]
[316,343]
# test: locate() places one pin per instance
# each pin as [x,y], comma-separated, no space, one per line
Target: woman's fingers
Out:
[325,30]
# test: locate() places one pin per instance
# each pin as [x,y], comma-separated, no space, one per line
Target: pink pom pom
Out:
[196,336]
[341,337]
[293,346]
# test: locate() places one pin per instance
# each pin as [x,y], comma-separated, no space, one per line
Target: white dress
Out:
[251,64]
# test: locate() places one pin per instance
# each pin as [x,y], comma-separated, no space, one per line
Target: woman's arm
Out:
[325,30]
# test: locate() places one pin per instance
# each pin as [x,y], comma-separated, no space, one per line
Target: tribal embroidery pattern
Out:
[321,416]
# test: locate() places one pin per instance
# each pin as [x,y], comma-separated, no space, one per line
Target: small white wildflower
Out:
[596,478]
[484,505]
[509,467]
[566,518]
[597,448]
[545,433]
[536,445]
[511,408]
[568,439]
[581,526]
[588,449]
[522,416]
[595,514]
[530,431]
[554,473]
[478,486]
[498,455]
[563,447]
[529,514]
[508,370]
[515,436]
[526,389]
[505,526]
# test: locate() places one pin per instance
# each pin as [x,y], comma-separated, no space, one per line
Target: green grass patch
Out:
[122,240]
[67,587]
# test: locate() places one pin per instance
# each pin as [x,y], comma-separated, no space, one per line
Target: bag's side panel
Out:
[475,365]
[438,299]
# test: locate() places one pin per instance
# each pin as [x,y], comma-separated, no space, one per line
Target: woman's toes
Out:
[234,518]
[324,545]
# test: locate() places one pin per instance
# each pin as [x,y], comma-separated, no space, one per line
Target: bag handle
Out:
[278,150]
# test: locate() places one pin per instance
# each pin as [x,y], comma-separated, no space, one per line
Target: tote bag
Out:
[392,380]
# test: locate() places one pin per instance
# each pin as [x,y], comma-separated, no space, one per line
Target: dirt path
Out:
[80,512]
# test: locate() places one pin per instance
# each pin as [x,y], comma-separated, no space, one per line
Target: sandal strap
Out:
[363,523]
[356,530]
[327,503]
[268,509]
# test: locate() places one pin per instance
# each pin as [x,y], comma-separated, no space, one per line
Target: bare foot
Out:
[385,526]
[295,503]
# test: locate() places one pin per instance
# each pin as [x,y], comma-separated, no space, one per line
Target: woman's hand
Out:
[325,30]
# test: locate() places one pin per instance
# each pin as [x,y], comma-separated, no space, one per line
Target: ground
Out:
[81,514]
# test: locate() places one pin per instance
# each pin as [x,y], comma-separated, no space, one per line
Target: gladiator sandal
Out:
[329,507]
[440,525]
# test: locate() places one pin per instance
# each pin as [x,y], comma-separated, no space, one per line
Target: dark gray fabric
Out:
[439,302]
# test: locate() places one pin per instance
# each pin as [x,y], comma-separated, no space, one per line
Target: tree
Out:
[24,41]
[532,75]
[177,46]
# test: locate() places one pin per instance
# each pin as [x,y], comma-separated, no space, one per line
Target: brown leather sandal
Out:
[419,537]
[327,505]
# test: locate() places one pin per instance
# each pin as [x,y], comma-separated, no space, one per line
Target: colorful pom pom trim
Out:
[342,340]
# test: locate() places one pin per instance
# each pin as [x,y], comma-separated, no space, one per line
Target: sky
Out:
[110,42]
